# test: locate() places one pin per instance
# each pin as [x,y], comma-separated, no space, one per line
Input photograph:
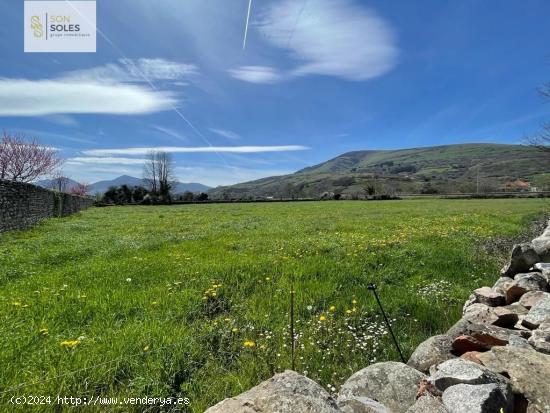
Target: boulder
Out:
[540,340]
[541,245]
[427,404]
[542,266]
[524,283]
[488,296]
[528,372]
[358,404]
[484,398]
[530,298]
[522,258]
[391,383]
[505,317]
[488,335]
[434,350]
[460,371]
[501,284]
[286,392]
[516,308]
[466,344]
[471,356]
[538,314]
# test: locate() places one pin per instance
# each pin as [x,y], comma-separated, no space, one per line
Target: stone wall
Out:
[23,205]
[495,359]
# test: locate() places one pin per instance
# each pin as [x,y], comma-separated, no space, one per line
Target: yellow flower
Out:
[234,329]
[146,348]
[332,308]
[154,303]
[267,278]
[348,311]
[249,344]
[16,303]
[322,318]
[43,331]
[70,343]
[354,301]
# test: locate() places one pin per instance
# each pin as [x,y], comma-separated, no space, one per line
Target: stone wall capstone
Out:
[23,205]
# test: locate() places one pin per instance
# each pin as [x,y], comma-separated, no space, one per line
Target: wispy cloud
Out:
[256,74]
[225,133]
[170,132]
[224,175]
[106,160]
[204,149]
[138,70]
[19,97]
[327,37]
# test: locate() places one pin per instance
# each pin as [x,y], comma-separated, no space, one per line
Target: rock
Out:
[465,344]
[532,297]
[434,350]
[487,296]
[471,300]
[484,398]
[541,245]
[528,371]
[390,383]
[501,284]
[505,317]
[522,258]
[524,283]
[361,405]
[518,342]
[427,404]
[542,266]
[286,392]
[517,308]
[471,356]
[459,371]
[540,340]
[488,334]
[538,314]
[479,313]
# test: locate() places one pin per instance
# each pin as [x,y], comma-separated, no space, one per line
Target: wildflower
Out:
[154,302]
[70,343]
[249,344]
[354,301]
[348,311]
[234,329]
[267,278]
[332,308]
[16,304]
[322,318]
[43,331]
[128,280]
[146,349]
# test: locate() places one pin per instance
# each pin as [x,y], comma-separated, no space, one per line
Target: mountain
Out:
[49,183]
[102,186]
[445,169]
[180,187]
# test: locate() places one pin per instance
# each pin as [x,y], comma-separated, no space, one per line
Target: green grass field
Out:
[194,300]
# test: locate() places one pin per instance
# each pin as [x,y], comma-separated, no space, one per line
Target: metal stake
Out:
[292,339]
[372,287]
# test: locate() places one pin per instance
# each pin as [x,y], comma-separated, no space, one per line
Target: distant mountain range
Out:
[102,186]
[445,169]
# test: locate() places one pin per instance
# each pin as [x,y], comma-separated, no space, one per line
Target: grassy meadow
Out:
[193,300]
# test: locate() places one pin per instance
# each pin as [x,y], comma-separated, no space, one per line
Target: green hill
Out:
[445,169]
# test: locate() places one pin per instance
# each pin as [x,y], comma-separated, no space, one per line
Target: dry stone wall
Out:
[495,359]
[23,205]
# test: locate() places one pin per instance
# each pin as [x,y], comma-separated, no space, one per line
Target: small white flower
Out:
[128,279]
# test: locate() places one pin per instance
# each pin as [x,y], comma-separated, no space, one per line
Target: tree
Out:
[81,188]
[159,174]
[24,159]
[59,182]
[541,140]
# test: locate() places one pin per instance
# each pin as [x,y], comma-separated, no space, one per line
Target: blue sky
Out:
[317,78]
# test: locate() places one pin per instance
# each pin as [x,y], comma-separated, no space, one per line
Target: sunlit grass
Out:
[193,300]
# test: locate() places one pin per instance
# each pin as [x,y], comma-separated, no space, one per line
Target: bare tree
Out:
[541,140]
[81,188]
[24,159]
[59,182]
[159,174]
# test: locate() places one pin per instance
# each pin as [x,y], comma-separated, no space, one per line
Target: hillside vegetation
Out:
[193,300]
[463,168]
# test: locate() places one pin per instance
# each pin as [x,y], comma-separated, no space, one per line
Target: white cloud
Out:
[328,37]
[225,133]
[256,74]
[139,70]
[105,160]
[19,97]
[204,149]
